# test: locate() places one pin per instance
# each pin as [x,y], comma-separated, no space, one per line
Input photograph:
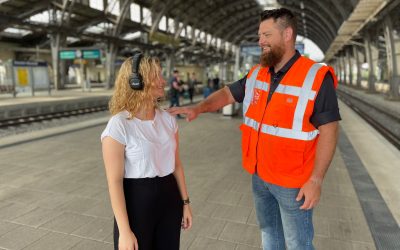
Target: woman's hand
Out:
[127,241]
[187,217]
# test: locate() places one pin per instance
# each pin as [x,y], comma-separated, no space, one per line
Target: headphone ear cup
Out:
[135,82]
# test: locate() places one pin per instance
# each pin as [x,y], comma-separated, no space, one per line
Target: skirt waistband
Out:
[149,180]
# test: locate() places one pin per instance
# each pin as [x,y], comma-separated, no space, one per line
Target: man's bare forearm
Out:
[215,101]
[325,150]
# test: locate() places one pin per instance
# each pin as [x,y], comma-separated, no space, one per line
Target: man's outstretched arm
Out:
[214,102]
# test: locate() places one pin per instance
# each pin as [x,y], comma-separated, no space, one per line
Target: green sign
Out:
[67,54]
[91,54]
[78,54]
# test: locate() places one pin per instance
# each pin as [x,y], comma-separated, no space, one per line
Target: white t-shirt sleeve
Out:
[115,129]
[174,124]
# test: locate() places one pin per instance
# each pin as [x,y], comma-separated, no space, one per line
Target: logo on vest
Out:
[256,96]
[289,100]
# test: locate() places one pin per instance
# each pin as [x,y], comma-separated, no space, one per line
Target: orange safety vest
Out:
[278,139]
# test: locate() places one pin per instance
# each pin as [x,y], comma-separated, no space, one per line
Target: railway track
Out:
[14,122]
[386,123]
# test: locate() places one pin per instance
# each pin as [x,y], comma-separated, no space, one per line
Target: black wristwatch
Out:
[186,202]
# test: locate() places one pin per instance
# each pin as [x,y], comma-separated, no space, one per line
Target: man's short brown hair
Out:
[284,17]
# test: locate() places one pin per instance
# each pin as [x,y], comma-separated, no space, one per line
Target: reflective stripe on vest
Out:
[281,132]
[304,94]
[289,133]
[293,90]
[250,85]
[251,123]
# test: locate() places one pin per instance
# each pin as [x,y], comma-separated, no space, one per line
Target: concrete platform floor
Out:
[53,193]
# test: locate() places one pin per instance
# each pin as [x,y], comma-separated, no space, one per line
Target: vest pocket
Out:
[288,158]
[246,134]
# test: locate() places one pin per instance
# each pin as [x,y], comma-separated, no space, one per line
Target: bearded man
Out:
[289,131]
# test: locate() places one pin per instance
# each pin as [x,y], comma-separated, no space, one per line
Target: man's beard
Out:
[273,57]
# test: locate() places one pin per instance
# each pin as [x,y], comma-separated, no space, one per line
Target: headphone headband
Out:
[136,80]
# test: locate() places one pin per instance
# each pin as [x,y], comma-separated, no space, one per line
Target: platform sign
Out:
[67,54]
[29,64]
[80,54]
[91,54]
[255,50]
[250,49]
[164,39]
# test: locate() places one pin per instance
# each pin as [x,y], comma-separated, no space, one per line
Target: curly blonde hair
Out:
[125,98]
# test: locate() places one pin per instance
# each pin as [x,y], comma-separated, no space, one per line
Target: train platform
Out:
[58,101]
[53,190]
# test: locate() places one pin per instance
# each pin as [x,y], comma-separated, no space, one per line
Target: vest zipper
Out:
[259,129]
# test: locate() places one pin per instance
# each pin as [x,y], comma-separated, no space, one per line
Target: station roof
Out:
[206,24]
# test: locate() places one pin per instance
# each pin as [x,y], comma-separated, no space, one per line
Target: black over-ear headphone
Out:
[136,79]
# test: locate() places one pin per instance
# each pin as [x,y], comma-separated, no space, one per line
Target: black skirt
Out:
[155,209]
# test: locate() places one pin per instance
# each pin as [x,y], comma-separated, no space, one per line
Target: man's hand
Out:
[214,102]
[190,112]
[311,190]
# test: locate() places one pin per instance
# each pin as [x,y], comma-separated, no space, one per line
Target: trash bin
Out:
[229,110]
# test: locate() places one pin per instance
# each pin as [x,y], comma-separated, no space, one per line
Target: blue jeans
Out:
[174,101]
[280,217]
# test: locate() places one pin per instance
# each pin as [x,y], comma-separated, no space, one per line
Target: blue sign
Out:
[30,63]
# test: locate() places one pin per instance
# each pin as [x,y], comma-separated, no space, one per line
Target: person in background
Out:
[216,83]
[175,89]
[145,175]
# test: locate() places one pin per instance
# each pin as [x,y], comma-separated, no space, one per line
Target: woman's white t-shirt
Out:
[149,145]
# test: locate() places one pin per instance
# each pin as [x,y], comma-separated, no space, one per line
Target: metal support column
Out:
[55,46]
[222,71]
[394,79]
[340,68]
[170,64]
[110,65]
[237,61]
[63,73]
[350,66]
[337,70]
[358,66]
[368,54]
[344,69]
[112,46]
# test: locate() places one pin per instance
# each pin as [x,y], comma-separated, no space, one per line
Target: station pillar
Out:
[394,79]
[358,66]
[368,54]
[350,66]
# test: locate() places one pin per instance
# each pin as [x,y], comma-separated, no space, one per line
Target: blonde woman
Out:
[140,151]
